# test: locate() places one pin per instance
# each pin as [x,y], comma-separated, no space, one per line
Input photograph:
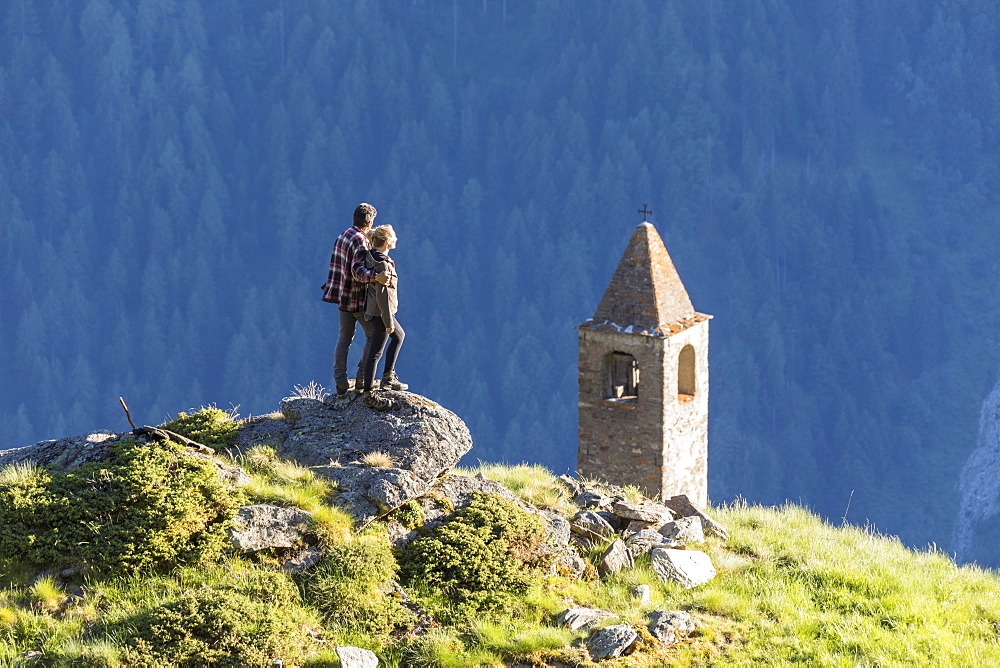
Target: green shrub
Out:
[147,505]
[349,587]
[245,623]
[209,426]
[487,553]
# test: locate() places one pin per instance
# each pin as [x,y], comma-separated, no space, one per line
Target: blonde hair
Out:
[379,236]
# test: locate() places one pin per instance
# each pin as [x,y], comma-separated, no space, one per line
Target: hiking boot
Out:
[376,401]
[391,382]
[342,391]
[359,383]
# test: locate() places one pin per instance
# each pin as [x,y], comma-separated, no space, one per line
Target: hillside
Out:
[825,176]
[444,579]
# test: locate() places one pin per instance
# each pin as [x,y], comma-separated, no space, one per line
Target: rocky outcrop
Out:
[64,454]
[263,527]
[415,444]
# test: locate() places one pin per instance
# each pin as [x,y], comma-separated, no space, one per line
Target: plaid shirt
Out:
[345,284]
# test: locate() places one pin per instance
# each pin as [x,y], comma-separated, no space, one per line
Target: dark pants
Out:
[348,321]
[376,341]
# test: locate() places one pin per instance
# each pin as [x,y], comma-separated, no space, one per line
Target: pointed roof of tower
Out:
[645,291]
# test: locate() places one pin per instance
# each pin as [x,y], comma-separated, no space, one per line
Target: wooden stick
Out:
[127,416]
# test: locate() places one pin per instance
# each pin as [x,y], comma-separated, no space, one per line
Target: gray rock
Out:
[683,507]
[64,454]
[420,436]
[670,626]
[582,543]
[636,526]
[262,430]
[615,558]
[590,498]
[446,495]
[569,564]
[689,568]
[577,619]
[591,525]
[644,512]
[643,541]
[386,488]
[611,642]
[422,439]
[356,657]
[559,529]
[263,526]
[302,561]
[571,484]
[641,593]
[684,529]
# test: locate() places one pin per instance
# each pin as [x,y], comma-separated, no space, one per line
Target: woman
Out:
[381,310]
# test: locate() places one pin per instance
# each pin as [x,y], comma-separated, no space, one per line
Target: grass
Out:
[791,589]
[378,459]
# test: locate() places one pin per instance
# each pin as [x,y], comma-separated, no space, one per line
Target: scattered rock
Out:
[589,524]
[571,484]
[684,529]
[593,499]
[576,619]
[644,512]
[356,657]
[611,642]
[559,529]
[263,526]
[643,541]
[684,508]
[689,568]
[615,558]
[641,593]
[569,564]
[636,526]
[303,561]
[670,626]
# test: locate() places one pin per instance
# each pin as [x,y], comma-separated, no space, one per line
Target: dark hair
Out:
[364,215]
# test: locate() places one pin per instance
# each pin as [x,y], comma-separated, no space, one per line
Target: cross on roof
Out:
[645,212]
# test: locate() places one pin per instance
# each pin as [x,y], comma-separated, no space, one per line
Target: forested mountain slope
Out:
[824,174]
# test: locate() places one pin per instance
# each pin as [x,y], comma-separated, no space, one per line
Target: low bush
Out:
[489,552]
[147,505]
[245,623]
[349,586]
[209,426]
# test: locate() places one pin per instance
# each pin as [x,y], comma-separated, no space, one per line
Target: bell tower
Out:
[643,379]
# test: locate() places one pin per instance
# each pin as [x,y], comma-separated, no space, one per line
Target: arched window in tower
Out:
[622,374]
[685,374]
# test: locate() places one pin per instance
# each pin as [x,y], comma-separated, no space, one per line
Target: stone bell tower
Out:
[643,396]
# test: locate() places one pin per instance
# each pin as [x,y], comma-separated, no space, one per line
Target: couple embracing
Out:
[362,282]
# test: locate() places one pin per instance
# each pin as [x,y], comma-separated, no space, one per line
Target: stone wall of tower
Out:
[621,442]
[685,421]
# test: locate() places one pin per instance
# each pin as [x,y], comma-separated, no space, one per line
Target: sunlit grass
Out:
[531,483]
[378,459]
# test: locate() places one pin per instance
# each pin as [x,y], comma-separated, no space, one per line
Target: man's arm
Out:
[360,270]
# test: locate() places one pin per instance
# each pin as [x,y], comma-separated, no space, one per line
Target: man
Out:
[345,286]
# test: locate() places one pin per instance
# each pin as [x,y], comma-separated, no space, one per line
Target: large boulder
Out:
[417,442]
